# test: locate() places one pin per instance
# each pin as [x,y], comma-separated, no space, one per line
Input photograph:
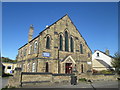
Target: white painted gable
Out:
[102,56]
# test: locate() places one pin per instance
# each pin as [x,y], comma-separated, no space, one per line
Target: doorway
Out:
[68,68]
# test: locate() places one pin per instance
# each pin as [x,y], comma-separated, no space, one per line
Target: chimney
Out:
[107,51]
[30,35]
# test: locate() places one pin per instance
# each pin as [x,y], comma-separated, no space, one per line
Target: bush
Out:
[106,72]
[82,79]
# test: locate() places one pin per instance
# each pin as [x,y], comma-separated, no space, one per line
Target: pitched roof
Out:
[103,63]
[104,53]
[53,24]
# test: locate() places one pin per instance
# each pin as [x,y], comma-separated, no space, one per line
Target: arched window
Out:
[81,48]
[71,44]
[35,47]
[33,67]
[48,42]
[66,41]
[61,42]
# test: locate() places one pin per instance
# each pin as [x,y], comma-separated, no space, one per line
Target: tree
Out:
[116,62]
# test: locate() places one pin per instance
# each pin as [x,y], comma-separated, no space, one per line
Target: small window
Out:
[48,42]
[30,49]
[88,54]
[33,67]
[81,48]
[28,67]
[47,67]
[97,54]
[35,47]
[9,67]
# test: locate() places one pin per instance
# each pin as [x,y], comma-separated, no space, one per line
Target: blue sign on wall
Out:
[46,54]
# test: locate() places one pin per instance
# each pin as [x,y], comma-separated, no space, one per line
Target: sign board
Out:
[46,54]
[89,62]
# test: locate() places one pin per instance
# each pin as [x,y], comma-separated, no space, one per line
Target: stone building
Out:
[60,48]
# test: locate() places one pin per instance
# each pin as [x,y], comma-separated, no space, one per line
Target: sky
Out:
[96,21]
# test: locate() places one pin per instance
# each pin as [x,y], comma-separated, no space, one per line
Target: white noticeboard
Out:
[46,54]
[89,62]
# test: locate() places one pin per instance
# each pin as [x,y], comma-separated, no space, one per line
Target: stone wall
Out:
[98,77]
[35,78]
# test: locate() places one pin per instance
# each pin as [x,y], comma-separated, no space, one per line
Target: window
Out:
[35,47]
[82,68]
[48,42]
[25,51]
[28,67]
[9,67]
[71,44]
[88,54]
[30,49]
[47,67]
[81,48]
[33,67]
[66,41]
[97,54]
[61,42]
[23,69]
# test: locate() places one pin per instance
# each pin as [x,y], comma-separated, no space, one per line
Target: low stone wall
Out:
[98,77]
[64,78]
[36,78]
[28,78]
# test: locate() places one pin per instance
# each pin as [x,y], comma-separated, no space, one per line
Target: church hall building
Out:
[60,48]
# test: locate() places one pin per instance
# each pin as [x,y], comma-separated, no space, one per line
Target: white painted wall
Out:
[102,56]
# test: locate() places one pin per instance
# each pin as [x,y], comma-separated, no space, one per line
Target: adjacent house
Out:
[9,67]
[101,60]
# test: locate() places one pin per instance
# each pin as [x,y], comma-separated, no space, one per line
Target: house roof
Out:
[103,63]
[104,53]
[53,24]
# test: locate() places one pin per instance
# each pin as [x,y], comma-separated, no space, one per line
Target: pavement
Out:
[95,84]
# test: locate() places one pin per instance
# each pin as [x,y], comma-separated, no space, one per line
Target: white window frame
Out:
[33,67]
[28,67]
[35,47]
[29,52]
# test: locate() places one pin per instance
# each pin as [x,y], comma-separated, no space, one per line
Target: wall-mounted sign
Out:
[46,54]
[89,62]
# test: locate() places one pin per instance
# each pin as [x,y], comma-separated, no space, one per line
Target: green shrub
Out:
[82,79]
[106,72]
